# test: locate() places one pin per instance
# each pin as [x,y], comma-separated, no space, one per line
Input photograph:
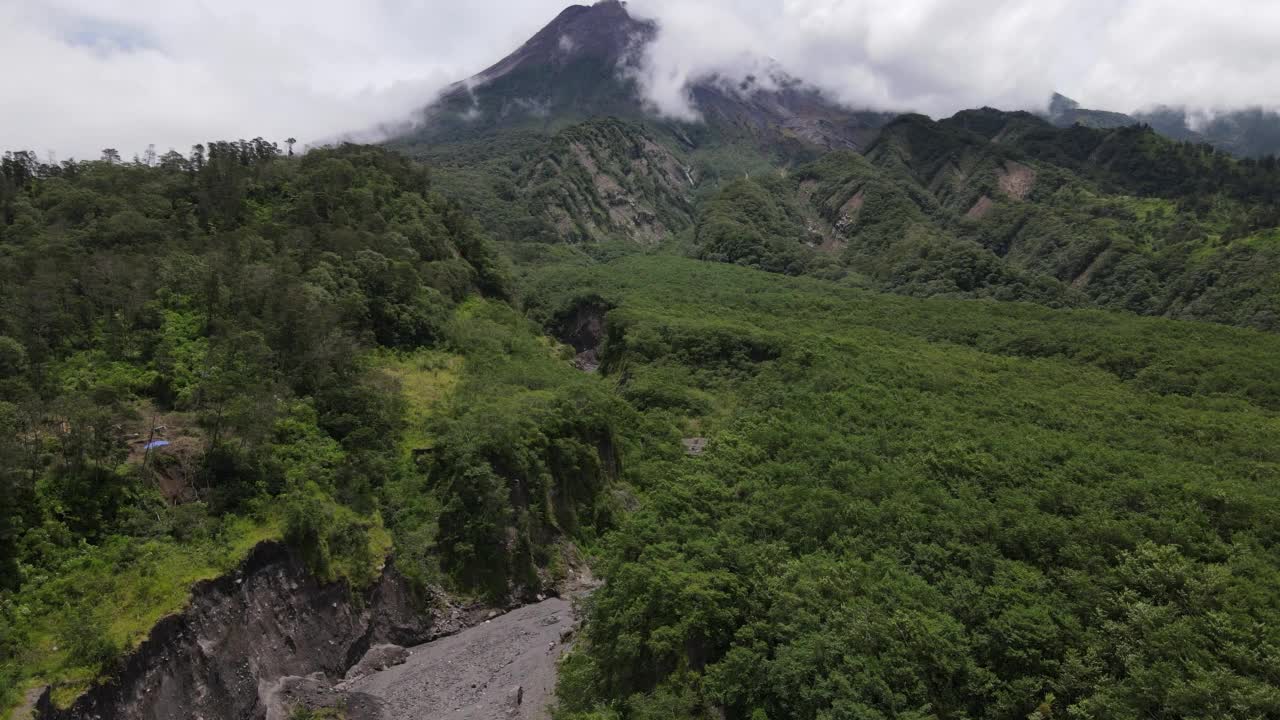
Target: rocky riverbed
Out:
[504,667]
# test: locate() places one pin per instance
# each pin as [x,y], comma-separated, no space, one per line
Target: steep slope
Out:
[530,146]
[225,655]
[583,65]
[1003,205]
[607,179]
[1065,112]
[1252,132]
[573,69]
[1249,132]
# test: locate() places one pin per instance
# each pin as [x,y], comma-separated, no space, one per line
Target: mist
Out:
[84,75]
[938,57]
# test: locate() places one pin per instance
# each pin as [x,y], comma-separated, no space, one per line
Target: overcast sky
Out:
[81,75]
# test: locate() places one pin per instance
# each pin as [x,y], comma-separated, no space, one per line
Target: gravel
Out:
[504,668]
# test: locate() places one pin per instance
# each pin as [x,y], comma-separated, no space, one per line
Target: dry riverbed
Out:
[504,667]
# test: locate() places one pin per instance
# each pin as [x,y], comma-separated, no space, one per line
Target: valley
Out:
[554,406]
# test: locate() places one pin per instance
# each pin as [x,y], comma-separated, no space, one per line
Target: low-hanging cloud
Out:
[82,75]
[940,56]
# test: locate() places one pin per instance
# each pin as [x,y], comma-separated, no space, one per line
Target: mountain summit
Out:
[573,68]
[585,63]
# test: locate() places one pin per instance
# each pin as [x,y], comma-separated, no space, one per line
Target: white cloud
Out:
[81,75]
[940,56]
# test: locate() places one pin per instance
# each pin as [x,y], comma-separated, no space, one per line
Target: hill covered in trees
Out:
[554,144]
[236,346]
[854,415]
[928,508]
[941,506]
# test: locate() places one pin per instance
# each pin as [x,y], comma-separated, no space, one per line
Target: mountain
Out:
[585,64]
[1006,206]
[576,67]
[1252,132]
[544,142]
[554,144]
[1065,112]
[851,416]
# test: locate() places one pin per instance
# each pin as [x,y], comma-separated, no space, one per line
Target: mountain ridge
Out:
[1250,132]
[585,63]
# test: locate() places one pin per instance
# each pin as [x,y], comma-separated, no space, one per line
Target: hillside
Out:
[1090,209]
[1246,133]
[1016,490]
[928,508]
[807,412]
[991,204]
[237,346]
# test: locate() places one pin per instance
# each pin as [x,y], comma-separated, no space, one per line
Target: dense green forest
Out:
[851,415]
[998,205]
[993,492]
[929,508]
[300,335]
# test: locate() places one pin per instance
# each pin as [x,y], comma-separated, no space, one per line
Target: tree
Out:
[290,142]
[13,358]
[111,155]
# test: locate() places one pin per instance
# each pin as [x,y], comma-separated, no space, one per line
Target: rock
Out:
[281,622]
[377,659]
[515,696]
[287,695]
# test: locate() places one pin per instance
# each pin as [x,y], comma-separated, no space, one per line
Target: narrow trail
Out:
[502,668]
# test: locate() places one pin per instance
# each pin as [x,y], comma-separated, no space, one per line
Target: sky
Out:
[82,75]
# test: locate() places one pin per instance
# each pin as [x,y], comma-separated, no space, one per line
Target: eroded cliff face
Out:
[606,179]
[223,657]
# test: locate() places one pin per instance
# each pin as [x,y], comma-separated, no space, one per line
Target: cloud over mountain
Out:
[937,56]
[86,74]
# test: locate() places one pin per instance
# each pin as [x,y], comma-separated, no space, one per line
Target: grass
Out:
[1263,240]
[427,378]
[125,586]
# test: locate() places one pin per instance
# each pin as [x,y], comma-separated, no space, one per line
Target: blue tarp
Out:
[155,444]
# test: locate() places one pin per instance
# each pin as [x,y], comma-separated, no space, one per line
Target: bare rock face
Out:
[314,692]
[377,659]
[224,656]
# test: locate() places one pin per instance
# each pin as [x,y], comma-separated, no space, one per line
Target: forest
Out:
[213,350]
[991,492]
[929,508]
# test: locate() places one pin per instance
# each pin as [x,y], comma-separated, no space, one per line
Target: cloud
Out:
[86,74]
[82,75]
[940,56]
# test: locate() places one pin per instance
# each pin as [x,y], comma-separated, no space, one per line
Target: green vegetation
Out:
[995,491]
[521,454]
[1000,205]
[929,508]
[985,204]
[291,328]
[304,713]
